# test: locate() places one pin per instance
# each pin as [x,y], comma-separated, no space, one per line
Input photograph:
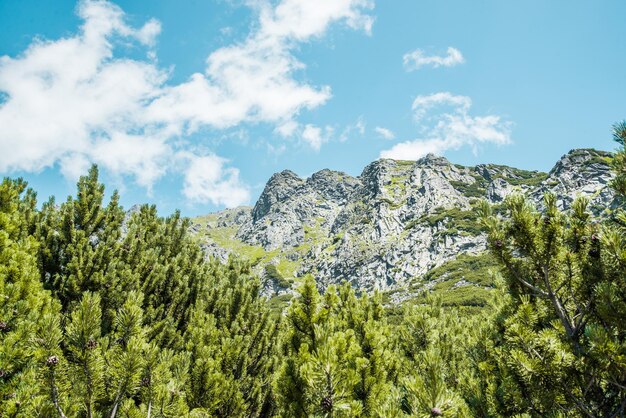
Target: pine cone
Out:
[436,412]
[91,344]
[52,361]
[145,381]
[4,327]
[327,404]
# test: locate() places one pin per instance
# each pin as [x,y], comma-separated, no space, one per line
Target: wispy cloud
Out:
[253,81]
[287,129]
[315,136]
[447,125]
[208,179]
[416,59]
[442,101]
[73,101]
[384,133]
[357,127]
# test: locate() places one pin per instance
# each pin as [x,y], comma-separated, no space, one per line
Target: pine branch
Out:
[54,393]
[556,302]
[517,276]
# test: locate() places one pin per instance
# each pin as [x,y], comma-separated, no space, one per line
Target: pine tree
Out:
[232,340]
[25,308]
[619,158]
[52,366]
[319,367]
[82,339]
[79,240]
[434,342]
[560,340]
[339,357]
[125,353]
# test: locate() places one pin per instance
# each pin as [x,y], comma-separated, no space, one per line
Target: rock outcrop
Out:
[394,222]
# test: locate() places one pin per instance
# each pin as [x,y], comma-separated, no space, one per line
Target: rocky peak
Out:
[279,188]
[580,172]
[333,185]
[582,161]
[228,218]
[376,174]
[498,190]
[432,161]
[484,171]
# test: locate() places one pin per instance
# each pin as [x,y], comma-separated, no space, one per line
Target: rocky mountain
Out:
[391,227]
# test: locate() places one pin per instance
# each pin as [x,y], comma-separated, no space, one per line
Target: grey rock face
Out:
[498,190]
[289,204]
[212,249]
[581,172]
[398,219]
[278,189]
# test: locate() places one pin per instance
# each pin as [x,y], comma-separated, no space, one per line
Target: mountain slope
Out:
[389,227]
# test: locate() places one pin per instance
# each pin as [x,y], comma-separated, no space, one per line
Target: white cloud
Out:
[287,129]
[73,101]
[451,129]
[275,150]
[418,58]
[384,133]
[208,180]
[422,105]
[315,136]
[149,32]
[254,80]
[144,156]
[358,127]
[302,19]
[68,98]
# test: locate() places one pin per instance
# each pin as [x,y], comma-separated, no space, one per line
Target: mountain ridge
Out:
[388,227]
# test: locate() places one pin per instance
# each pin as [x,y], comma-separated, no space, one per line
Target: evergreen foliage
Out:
[104,313]
[558,339]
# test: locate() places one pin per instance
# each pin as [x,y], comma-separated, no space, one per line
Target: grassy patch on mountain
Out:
[597,157]
[225,238]
[405,163]
[464,281]
[455,221]
[472,268]
[475,189]
[517,176]
[272,273]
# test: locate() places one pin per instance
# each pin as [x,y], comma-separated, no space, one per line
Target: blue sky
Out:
[194,104]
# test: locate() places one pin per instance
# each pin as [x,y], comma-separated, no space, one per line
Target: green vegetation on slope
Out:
[518,177]
[465,281]
[452,221]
